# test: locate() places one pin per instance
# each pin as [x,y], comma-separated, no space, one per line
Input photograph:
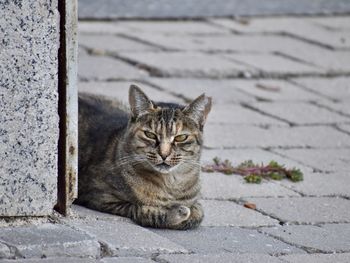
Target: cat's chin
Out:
[163,168]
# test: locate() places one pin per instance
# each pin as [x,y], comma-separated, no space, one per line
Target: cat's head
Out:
[164,136]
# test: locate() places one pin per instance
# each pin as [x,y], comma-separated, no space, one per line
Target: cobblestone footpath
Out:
[281,91]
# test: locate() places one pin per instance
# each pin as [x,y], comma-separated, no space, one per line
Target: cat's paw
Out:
[178,214]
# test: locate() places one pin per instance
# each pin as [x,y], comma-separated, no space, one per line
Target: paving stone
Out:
[120,90]
[261,25]
[327,160]
[171,27]
[153,9]
[126,260]
[334,61]
[222,91]
[112,44]
[224,187]
[336,88]
[188,64]
[106,68]
[226,42]
[275,90]
[342,107]
[301,27]
[101,27]
[322,184]
[80,212]
[5,251]
[272,64]
[219,258]
[237,156]
[240,136]
[345,127]
[226,213]
[127,239]
[329,238]
[236,114]
[305,210]
[214,240]
[301,113]
[50,240]
[53,260]
[332,22]
[317,258]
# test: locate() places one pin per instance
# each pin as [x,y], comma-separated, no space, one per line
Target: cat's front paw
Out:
[178,214]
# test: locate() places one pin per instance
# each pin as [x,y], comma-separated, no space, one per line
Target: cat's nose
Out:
[164,150]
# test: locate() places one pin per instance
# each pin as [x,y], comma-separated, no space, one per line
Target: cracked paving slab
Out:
[49,240]
[317,258]
[127,239]
[214,240]
[305,210]
[329,238]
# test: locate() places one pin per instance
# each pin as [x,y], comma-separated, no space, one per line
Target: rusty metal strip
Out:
[67,106]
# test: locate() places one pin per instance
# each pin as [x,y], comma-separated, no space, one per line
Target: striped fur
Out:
[143,163]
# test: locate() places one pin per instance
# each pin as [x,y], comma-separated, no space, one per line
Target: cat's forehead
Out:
[169,120]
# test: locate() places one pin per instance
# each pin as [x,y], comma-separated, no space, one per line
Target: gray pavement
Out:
[281,91]
[111,9]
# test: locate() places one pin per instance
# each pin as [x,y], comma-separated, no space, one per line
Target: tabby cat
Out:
[144,164]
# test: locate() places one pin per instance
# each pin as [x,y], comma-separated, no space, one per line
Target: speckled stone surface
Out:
[28,106]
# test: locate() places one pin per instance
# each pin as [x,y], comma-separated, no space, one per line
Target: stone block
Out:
[275,90]
[187,64]
[303,28]
[336,23]
[104,44]
[49,240]
[301,113]
[234,136]
[5,251]
[337,88]
[322,184]
[80,212]
[237,114]
[171,27]
[107,68]
[228,187]
[54,260]
[226,213]
[225,42]
[28,115]
[101,27]
[126,260]
[317,258]
[127,239]
[335,62]
[219,258]
[272,64]
[222,91]
[345,127]
[305,210]
[120,90]
[215,240]
[327,160]
[329,238]
[341,107]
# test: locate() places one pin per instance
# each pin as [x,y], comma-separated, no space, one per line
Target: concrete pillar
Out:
[29,130]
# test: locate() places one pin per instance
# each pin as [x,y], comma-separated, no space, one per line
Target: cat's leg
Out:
[152,216]
[194,220]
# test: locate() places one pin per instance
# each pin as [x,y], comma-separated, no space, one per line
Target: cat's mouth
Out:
[163,167]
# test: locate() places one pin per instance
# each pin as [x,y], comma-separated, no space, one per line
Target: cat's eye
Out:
[181,138]
[150,135]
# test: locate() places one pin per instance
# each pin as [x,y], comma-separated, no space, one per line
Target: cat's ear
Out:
[198,109]
[139,102]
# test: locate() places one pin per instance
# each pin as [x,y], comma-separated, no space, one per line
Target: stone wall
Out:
[29,41]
